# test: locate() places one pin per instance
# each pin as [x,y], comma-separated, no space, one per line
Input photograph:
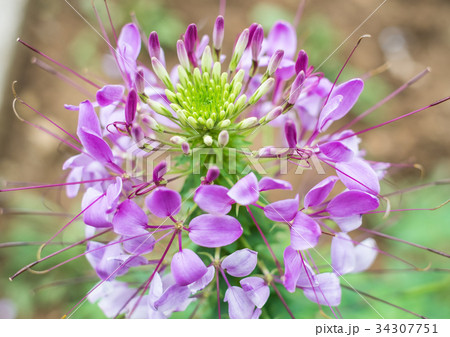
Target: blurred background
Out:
[407,37]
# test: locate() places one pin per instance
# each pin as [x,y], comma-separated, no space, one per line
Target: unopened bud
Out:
[296,87]
[185,148]
[177,140]
[302,62]
[224,124]
[261,91]
[223,138]
[239,49]
[137,133]
[207,139]
[218,33]
[271,115]
[154,48]
[274,62]
[182,55]
[190,38]
[290,132]
[256,43]
[162,73]
[212,174]
[159,108]
[207,60]
[152,123]
[131,106]
[247,123]
[140,81]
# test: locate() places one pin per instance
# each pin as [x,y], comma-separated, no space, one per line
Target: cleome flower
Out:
[158,241]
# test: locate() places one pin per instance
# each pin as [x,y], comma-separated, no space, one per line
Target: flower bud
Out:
[212,174]
[162,73]
[151,123]
[274,62]
[177,140]
[271,115]
[302,62]
[223,138]
[290,132]
[239,50]
[207,139]
[261,91]
[182,55]
[218,33]
[154,48]
[159,108]
[247,123]
[207,60]
[140,81]
[190,38]
[224,124]
[185,148]
[296,87]
[256,42]
[131,106]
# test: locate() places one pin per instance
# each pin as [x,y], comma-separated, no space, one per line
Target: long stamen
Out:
[385,100]
[280,270]
[395,119]
[381,300]
[58,63]
[405,242]
[43,129]
[282,300]
[55,185]
[218,293]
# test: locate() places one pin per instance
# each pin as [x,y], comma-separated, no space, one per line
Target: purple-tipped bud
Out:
[218,32]
[140,81]
[131,106]
[290,131]
[190,38]
[159,171]
[275,61]
[251,32]
[296,87]
[257,41]
[273,114]
[223,138]
[182,55]
[185,148]
[212,174]
[302,62]
[154,48]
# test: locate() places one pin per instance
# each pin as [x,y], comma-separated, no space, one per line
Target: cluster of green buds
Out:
[208,103]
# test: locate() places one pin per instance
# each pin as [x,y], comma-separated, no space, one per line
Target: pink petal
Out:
[110,94]
[203,281]
[283,210]
[256,290]
[365,254]
[328,292]
[163,202]
[187,267]
[305,232]
[96,146]
[268,183]
[88,119]
[130,219]
[282,36]
[342,254]
[351,203]
[358,175]
[348,224]
[336,151]
[214,230]
[240,263]
[130,41]
[213,199]
[239,305]
[246,190]
[139,245]
[320,192]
